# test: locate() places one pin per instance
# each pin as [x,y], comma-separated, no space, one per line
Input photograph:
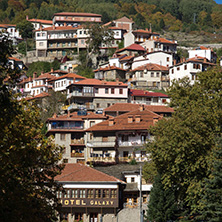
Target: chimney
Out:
[65,24]
[111,122]
[174,62]
[117,81]
[52,70]
[30,78]
[141,107]
[205,59]
[53,26]
[74,79]
[54,115]
[130,118]
[147,29]
[42,73]
[68,114]
[34,75]
[137,118]
[155,120]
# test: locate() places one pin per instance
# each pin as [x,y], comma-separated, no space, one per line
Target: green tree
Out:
[182,146]
[25,29]
[162,204]
[38,67]
[28,161]
[212,199]
[162,24]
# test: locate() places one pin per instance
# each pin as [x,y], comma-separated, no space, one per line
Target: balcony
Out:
[88,106]
[77,154]
[76,93]
[78,142]
[165,78]
[128,143]
[102,144]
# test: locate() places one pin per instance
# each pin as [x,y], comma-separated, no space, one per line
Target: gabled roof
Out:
[124,19]
[133,47]
[41,95]
[109,68]
[126,58]
[196,59]
[127,107]
[121,122]
[76,173]
[201,48]
[49,22]
[77,14]
[144,93]
[145,32]
[7,25]
[69,75]
[162,40]
[46,76]
[151,66]
[97,82]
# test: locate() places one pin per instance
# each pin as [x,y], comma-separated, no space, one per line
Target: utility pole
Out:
[141,209]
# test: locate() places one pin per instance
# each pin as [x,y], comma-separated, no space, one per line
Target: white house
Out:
[189,68]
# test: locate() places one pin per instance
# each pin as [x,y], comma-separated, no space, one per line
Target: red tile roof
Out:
[41,95]
[99,82]
[162,40]
[77,14]
[145,32]
[151,66]
[201,48]
[46,76]
[109,68]
[75,172]
[127,107]
[126,58]
[7,25]
[124,19]
[69,75]
[133,47]
[41,21]
[144,93]
[121,122]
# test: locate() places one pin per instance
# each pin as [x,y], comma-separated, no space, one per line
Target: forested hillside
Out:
[172,15]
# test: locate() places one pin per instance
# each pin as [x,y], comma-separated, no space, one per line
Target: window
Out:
[67,194]
[172,71]
[112,90]
[168,59]
[141,74]
[152,74]
[62,136]
[96,90]
[106,90]
[98,193]
[113,193]
[193,77]
[82,193]
[105,139]
[74,193]
[92,123]
[132,180]
[108,104]
[178,68]
[124,138]
[90,193]
[120,91]
[157,74]
[61,83]
[105,193]
[97,105]
[82,42]
[185,67]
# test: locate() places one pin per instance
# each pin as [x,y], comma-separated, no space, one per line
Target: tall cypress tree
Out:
[162,204]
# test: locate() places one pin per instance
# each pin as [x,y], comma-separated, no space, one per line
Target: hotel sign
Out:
[89,202]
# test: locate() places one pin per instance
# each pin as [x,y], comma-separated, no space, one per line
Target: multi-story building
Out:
[155,43]
[96,94]
[75,19]
[149,76]
[90,195]
[56,41]
[122,138]
[189,68]
[204,52]
[69,132]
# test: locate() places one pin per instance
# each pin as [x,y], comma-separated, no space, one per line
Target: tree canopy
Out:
[182,149]
[28,161]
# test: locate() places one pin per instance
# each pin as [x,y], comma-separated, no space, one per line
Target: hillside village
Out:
[104,120]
